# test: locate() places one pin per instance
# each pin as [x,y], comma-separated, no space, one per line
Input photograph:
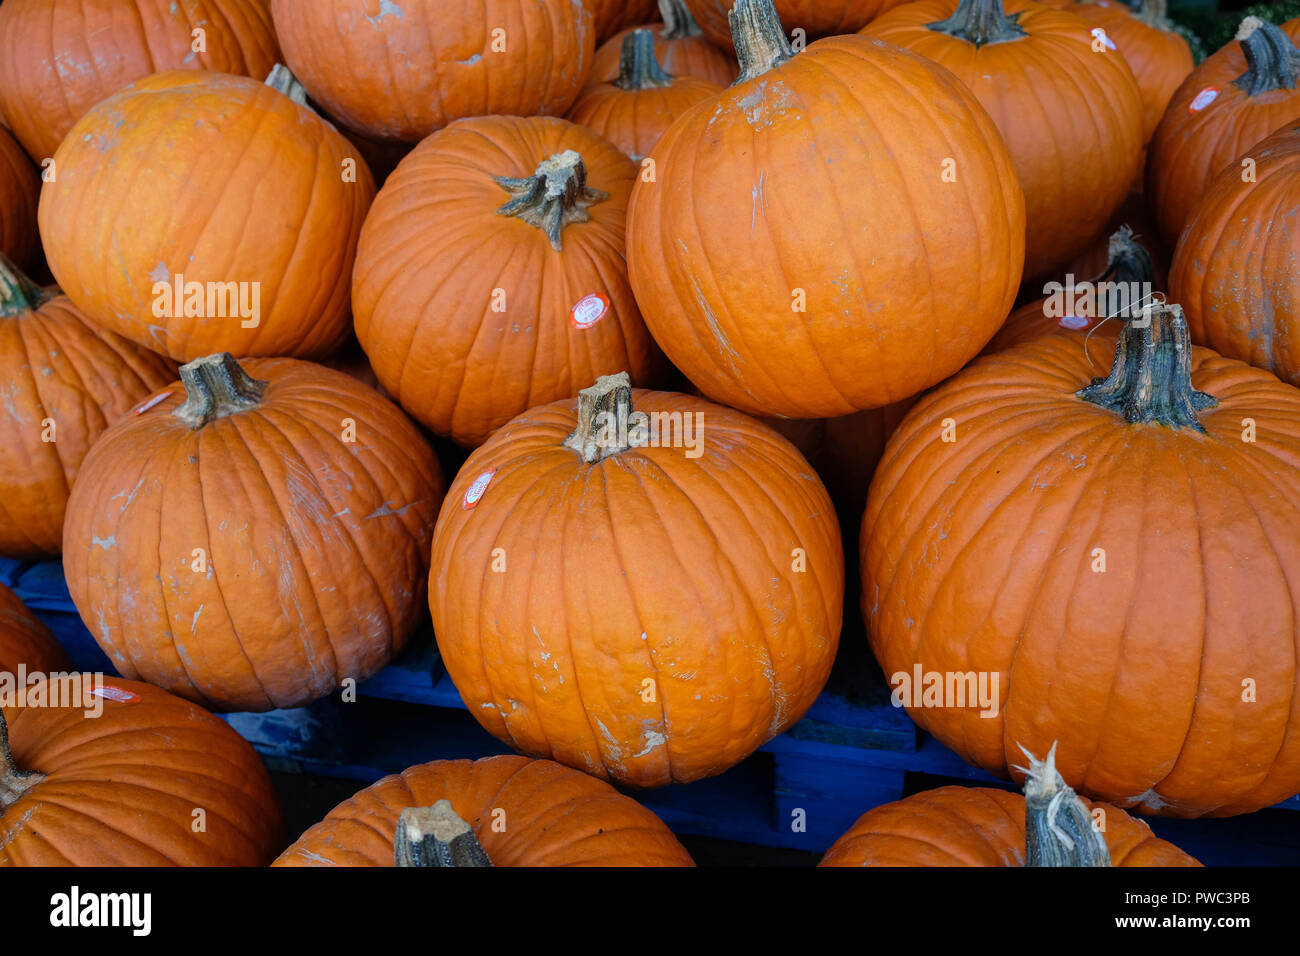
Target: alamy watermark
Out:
[88,691]
[174,298]
[958,689]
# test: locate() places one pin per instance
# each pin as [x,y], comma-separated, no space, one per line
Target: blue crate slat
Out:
[800,791]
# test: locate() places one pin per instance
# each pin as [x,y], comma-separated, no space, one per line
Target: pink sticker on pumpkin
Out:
[589,310]
[474,494]
[1203,99]
[109,692]
[1099,34]
[149,403]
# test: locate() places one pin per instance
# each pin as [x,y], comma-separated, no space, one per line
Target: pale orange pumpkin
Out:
[680,48]
[256,262]
[25,641]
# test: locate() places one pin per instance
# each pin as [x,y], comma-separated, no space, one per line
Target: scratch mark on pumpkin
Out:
[653,739]
[306,854]
[105,543]
[611,743]
[385,509]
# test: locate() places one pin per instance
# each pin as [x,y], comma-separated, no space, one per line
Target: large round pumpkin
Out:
[1237,267]
[522,813]
[633,110]
[65,381]
[621,591]
[1071,116]
[58,58]
[491,277]
[680,48]
[1122,557]
[1235,98]
[1160,57]
[252,537]
[1090,309]
[20,188]
[815,18]
[152,780]
[245,208]
[403,71]
[25,641]
[981,826]
[807,236]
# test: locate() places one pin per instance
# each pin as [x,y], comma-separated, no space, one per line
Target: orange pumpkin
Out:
[273,535]
[680,48]
[491,278]
[816,18]
[633,111]
[1071,116]
[58,58]
[1235,269]
[980,826]
[1114,555]
[20,188]
[1135,217]
[258,264]
[554,817]
[1235,98]
[66,381]
[123,787]
[1087,310]
[611,16]
[1159,57]
[26,641]
[622,592]
[403,72]
[787,267]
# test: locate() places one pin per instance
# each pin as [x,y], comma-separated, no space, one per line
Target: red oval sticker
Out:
[589,310]
[474,493]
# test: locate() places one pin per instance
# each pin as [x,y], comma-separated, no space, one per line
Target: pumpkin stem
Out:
[554,196]
[282,79]
[982,22]
[604,418]
[759,38]
[436,836]
[1272,60]
[678,22]
[637,67]
[216,386]
[18,294]
[1059,830]
[1127,261]
[1153,13]
[1151,380]
[13,782]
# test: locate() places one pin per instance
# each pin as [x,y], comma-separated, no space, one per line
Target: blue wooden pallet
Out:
[851,752]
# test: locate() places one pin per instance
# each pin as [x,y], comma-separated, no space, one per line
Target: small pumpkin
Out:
[121,787]
[271,523]
[26,641]
[1235,267]
[1049,825]
[633,111]
[653,573]
[1114,553]
[1091,310]
[553,816]
[816,18]
[1135,217]
[611,16]
[66,381]
[1160,57]
[403,72]
[491,278]
[58,58]
[680,48]
[1235,98]
[785,267]
[20,189]
[1071,116]
[258,262]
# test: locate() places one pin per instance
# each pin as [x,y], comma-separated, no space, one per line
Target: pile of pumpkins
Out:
[697,286]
